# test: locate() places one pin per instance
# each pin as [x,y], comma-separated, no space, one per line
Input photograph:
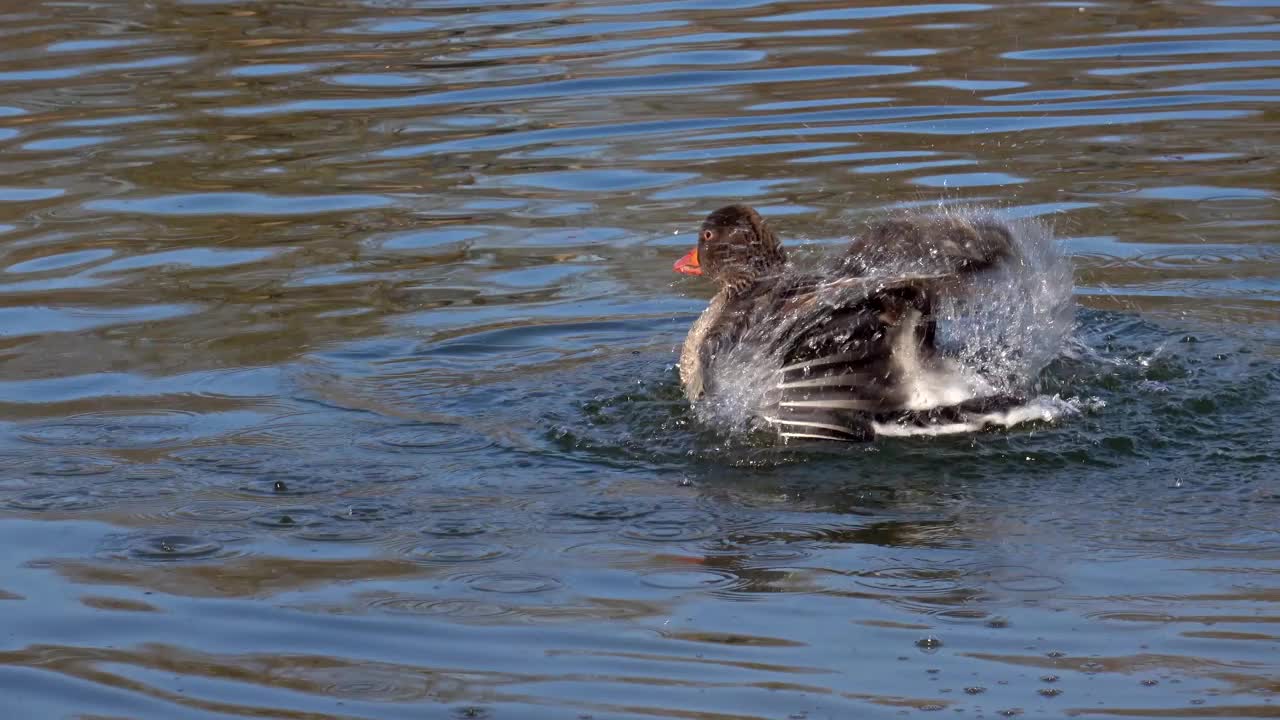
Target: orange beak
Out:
[688,264]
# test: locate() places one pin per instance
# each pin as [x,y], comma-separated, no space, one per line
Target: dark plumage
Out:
[846,347]
[946,245]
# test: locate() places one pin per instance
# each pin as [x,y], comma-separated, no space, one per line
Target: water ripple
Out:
[597,87]
[341,337]
[113,429]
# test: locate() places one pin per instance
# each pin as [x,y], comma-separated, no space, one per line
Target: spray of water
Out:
[998,329]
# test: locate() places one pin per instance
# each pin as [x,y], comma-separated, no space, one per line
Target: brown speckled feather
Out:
[846,348]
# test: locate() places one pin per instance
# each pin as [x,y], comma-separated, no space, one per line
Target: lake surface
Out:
[338,343]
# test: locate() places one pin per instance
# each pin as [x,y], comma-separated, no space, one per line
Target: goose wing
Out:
[848,353]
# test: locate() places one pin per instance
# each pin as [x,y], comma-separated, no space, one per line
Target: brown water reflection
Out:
[337,340]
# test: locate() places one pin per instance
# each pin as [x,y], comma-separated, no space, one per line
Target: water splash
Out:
[1008,324]
[997,329]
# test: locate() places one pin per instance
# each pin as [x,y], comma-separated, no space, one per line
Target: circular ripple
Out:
[706,579]
[672,526]
[371,685]
[73,466]
[386,474]
[436,606]
[573,526]
[170,548]
[132,490]
[1244,545]
[298,434]
[233,459]
[1030,583]
[138,482]
[147,473]
[1019,579]
[456,552]
[775,554]
[616,555]
[433,438]
[370,511]
[458,504]
[908,579]
[338,532]
[68,500]
[292,518]
[459,527]
[1232,207]
[608,510]
[512,583]
[1102,188]
[113,429]
[217,511]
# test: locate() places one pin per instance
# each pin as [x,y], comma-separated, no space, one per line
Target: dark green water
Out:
[337,349]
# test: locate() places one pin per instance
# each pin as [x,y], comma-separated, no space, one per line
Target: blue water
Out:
[338,349]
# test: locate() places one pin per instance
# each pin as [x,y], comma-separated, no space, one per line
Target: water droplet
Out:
[929,644]
[291,484]
[172,547]
[371,511]
[290,518]
[1050,692]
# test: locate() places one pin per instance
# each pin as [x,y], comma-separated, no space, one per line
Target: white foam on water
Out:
[1039,409]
